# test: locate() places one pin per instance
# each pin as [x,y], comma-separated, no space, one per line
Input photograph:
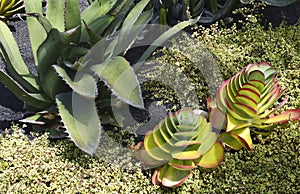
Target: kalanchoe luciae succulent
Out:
[9,8]
[245,103]
[178,144]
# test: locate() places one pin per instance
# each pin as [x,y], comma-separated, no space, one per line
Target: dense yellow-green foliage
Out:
[41,166]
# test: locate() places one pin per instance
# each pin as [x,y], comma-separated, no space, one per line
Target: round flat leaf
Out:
[174,177]
[213,157]
[153,150]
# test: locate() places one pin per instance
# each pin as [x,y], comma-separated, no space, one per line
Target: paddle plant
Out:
[9,8]
[246,103]
[185,140]
[178,144]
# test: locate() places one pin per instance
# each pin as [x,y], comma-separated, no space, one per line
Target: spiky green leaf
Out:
[80,118]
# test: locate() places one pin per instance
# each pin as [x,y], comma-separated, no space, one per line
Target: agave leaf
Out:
[134,13]
[36,100]
[43,21]
[120,78]
[14,61]
[9,7]
[73,18]
[221,13]
[119,11]
[197,8]
[97,9]
[80,118]
[213,157]
[36,39]
[128,35]
[55,13]
[52,84]
[81,83]
[164,37]
[98,26]
[48,53]
[35,120]
[173,177]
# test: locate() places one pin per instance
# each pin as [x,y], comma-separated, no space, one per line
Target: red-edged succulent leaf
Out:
[243,136]
[230,141]
[289,115]
[153,149]
[173,177]
[213,157]
[182,164]
[143,156]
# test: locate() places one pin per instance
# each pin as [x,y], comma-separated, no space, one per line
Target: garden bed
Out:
[43,166]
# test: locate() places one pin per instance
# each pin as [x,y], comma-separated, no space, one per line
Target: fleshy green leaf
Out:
[243,135]
[14,61]
[80,118]
[208,143]
[36,39]
[36,100]
[55,13]
[120,78]
[213,157]
[289,115]
[165,36]
[182,164]
[153,150]
[230,141]
[80,82]
[173,177]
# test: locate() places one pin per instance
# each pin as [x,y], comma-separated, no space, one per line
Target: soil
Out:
[12,109]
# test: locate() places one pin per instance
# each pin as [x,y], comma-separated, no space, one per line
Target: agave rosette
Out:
[178,144]
[244,102]
[10,7]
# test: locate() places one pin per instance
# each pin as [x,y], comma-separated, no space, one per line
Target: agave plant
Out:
[178,144]
[170,11]
[78,68]
[9,8]
[244,101]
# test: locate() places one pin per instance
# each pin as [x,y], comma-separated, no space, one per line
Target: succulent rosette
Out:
[178,144]
[245,103]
